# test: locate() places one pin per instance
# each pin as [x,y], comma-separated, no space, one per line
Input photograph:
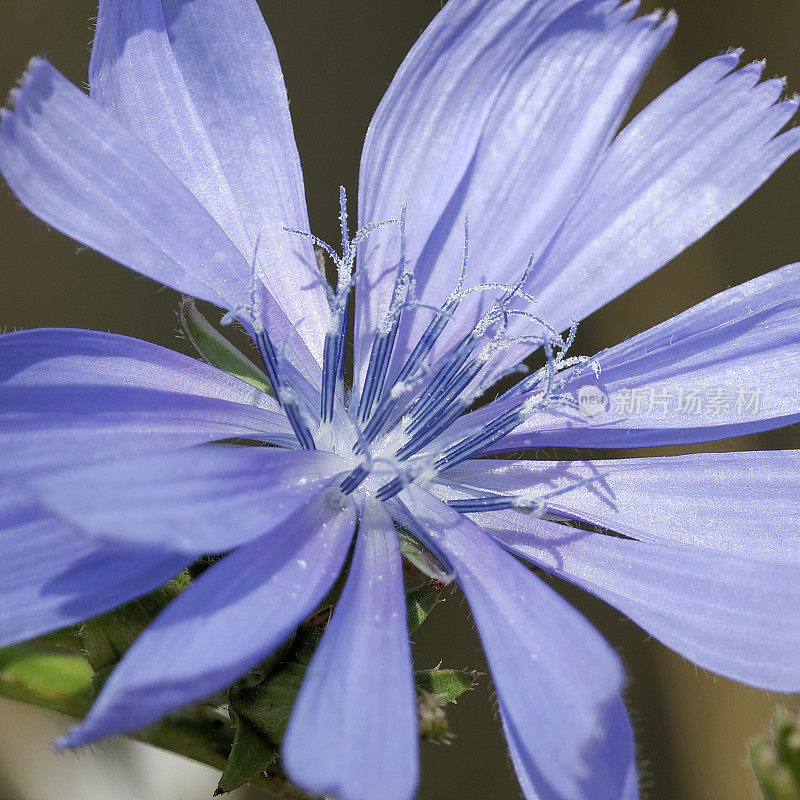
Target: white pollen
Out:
[302,564]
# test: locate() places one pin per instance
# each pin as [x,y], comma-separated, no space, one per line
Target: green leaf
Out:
[59,681]
[420,602]
[446,685]
[776,758]
[250,756]
[107,637]
[217,350]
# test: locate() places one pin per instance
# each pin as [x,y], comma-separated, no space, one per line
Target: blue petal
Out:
[682,165]
[735,354]
[612,759]
[53,578]
[734,616]
[353,730]
[533,89]
[83,173]
[743,504]
[200,84]
[557,681]
[227,621]
[195,501]
[78,169]
[74,396]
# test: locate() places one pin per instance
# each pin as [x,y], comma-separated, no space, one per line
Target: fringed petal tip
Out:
[88,732]
[36,70]
[75,737]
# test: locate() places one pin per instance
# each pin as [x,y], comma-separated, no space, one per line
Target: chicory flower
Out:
[497,139]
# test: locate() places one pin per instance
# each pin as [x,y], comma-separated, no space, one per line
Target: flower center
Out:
[415,424]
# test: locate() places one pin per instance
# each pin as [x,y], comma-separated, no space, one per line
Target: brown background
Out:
[338,56]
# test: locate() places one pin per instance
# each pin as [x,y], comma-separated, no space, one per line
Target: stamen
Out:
[286,396]
[449,383]
[383,344]
[477,504]
[423,399]
[535,504]
[354,479]
[555,363]
[336,337]
[490,433]
[284,393]
[436,416]
[395,486]
[414,363]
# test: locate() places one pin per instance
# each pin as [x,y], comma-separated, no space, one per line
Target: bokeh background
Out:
[338,57]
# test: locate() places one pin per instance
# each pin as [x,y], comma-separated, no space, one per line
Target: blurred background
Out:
[338,57]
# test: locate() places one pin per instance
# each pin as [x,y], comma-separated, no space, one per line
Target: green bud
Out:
[435,689]
[259,674]
[421,559]
[217,350]
[446,685]
[65,639]
[433,725]
[776,758]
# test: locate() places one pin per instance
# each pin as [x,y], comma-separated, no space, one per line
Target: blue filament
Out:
[283,392]
[399,420]
[383,344]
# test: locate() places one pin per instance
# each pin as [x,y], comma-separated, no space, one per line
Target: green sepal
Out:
[417,555]
[446,685]
[267,706]
[776,758]
[60,681]
[260,673]
[107,637]
[217,350]
[65,639]
[420,602]
[250,756]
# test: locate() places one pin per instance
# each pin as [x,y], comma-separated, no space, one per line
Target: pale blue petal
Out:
[74,396]
[613,759]
[200,84]
[681,166]
[228,620]
[533,89]
[744,504]
[85,174]
[735,616]
[198,500]
[353,731]
[52,577]
[557,681]
[727,367]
